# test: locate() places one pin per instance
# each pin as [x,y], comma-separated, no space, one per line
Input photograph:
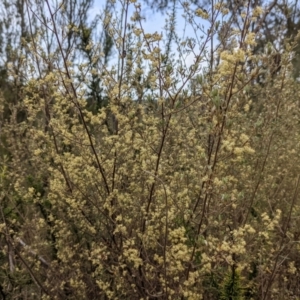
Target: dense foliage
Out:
[151,177]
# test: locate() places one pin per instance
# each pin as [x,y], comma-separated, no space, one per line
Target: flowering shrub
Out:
[184,186]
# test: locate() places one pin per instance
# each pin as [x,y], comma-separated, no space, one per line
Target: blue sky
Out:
[155,21]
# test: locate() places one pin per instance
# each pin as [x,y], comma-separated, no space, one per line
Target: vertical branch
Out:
[75,97]
[259,179]
[122,58]
[10,250]
[47,113]
[212,40]
[281,246]
[213,154]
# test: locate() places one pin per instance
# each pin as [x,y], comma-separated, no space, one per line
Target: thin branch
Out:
[34,278]
[281,247]
[32,252]
[76,97]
